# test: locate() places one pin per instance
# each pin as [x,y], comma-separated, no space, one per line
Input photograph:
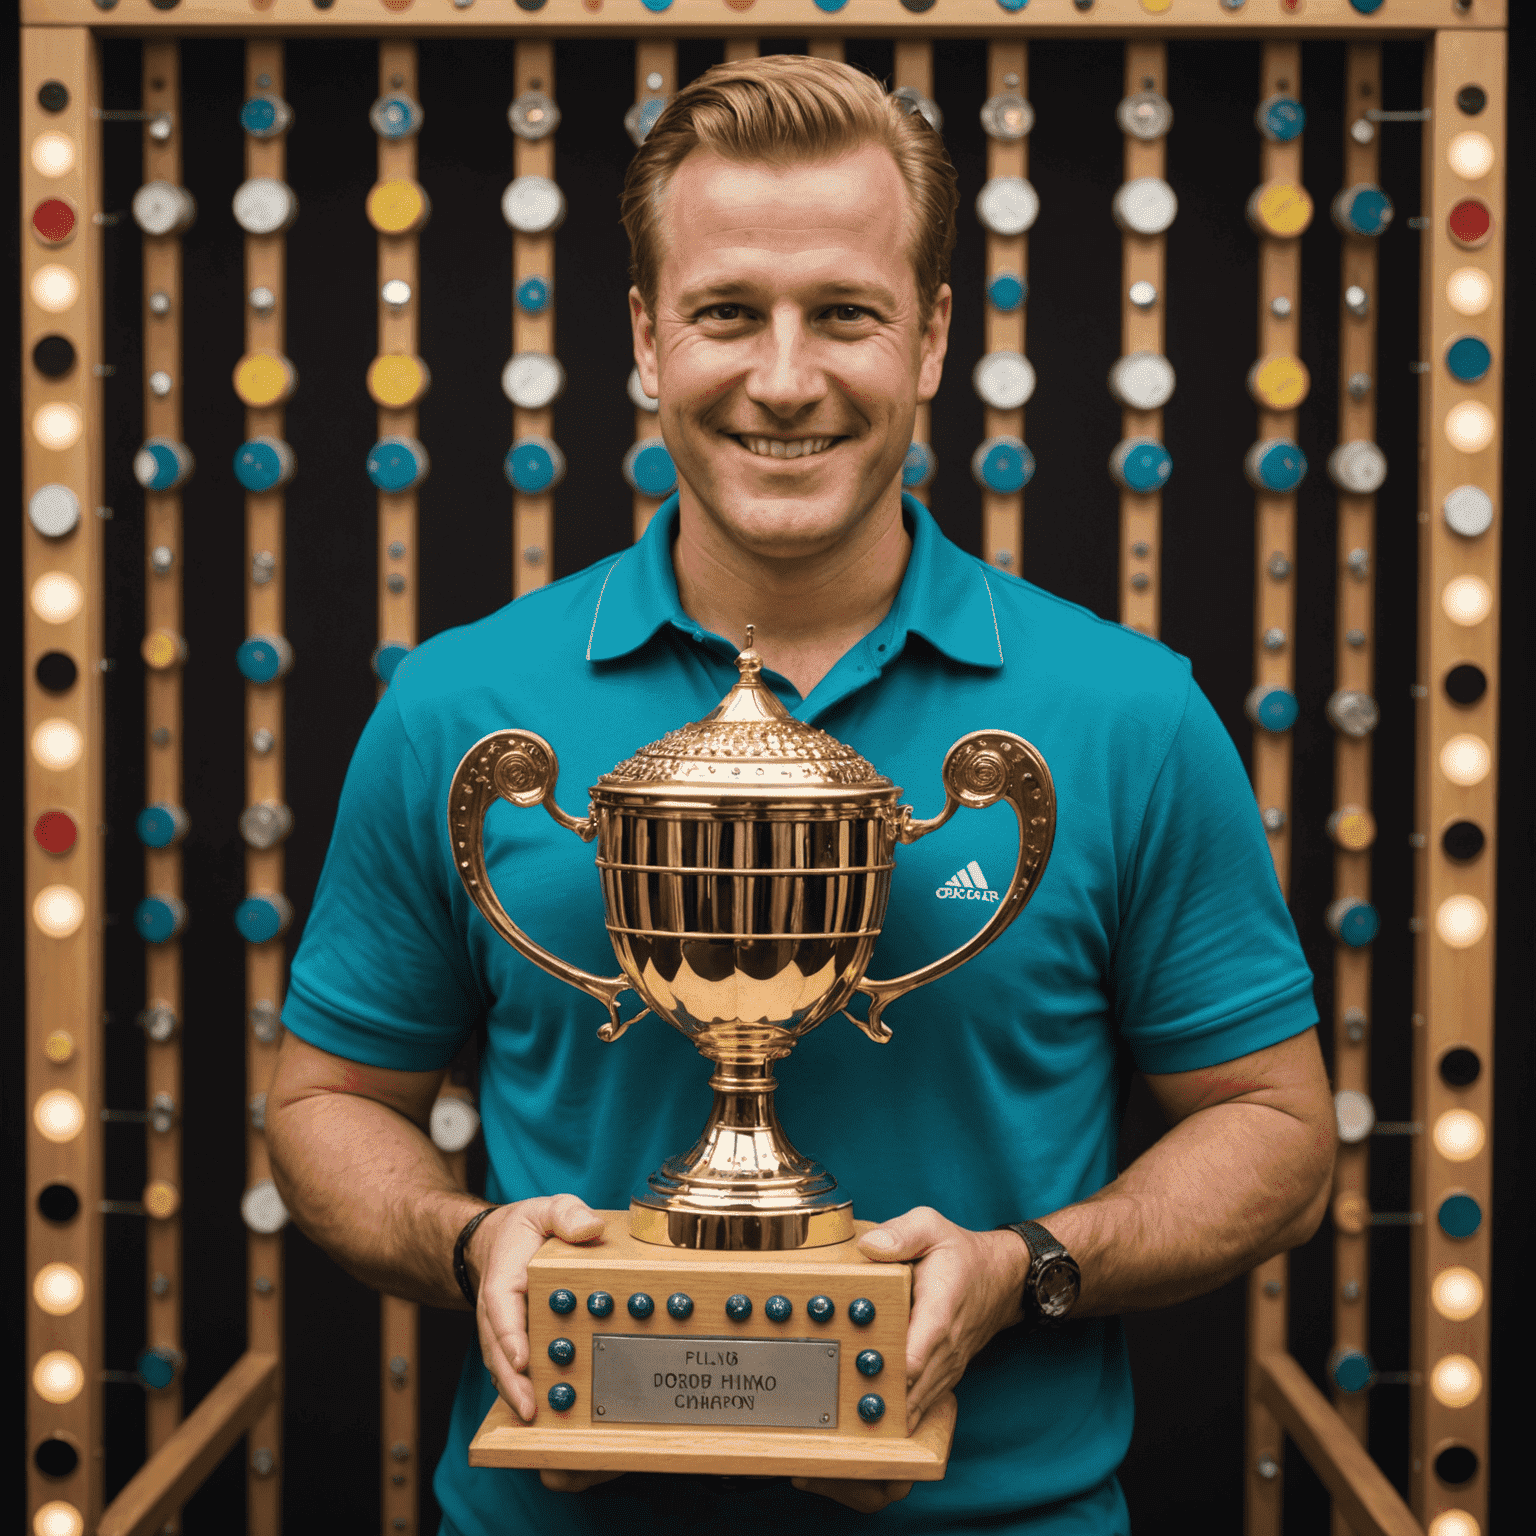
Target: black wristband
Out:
[460,1270]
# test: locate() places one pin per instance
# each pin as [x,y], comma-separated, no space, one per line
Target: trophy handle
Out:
[520,768]
[979,770]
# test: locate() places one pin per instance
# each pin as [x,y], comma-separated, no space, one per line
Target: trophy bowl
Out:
[746,862]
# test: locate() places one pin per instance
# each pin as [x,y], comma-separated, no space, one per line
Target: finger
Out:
[564,1216]
[940,1375]
[905,1237]
[574,1482]
[504,1336]
[515,1389]
[867,1498]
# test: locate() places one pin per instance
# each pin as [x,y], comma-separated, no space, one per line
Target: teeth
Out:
[777,448]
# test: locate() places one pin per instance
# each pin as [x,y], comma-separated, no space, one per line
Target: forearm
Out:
[367,1185]
[1221,1191]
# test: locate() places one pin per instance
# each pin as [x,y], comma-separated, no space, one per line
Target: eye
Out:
[847,314]
[722,312]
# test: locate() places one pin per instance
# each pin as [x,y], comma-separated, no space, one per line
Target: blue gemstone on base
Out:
[861,1311]
[679,1306]
[562,1301]
[871,1407]
[820,1309]
[600,1304]
[562,1351]
[738,1308]
[778,1308]
[562,1397]
[870,1362]
[641,1305]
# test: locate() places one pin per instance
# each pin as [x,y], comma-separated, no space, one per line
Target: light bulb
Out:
[57,1518]
[1467,600]
[1461,921]
[58,910]
[58,1289]
[58,1115]
[57,744]
[1456,1381]
[58,1377]
[1454,1522]
[53,154]
[54,288]
[1457,1293]
[1469,427]
[57,425]
[1469,290]
[56,597]
[1470,155]
[1466,760]
[1459,1135]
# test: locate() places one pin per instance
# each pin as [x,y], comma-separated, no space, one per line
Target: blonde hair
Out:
[783,109]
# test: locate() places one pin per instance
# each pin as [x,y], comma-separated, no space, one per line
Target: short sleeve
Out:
[381,975]
[1207,965]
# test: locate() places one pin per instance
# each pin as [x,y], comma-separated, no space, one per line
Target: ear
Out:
[643,327]
[935,343]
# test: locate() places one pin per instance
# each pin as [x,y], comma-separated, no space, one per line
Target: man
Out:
[791,228]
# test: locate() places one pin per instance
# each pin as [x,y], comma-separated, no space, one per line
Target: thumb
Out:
[905,1237]
[573,1221]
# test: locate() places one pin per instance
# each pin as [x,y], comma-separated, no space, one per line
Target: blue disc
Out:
[1003,464]
[679,1305]
[161,465]
[1007,291]
[918,467]
[259,116]
[1284,118]
[1368,212]
[1276,464]
[562,1301]
[1013,5]
[861,1312]
[1272,709]
[394,117]
[1141,464]
[656,5]
[387,657]
[1459,1216]
[649,468]
[533,295]
[159,919]
[820,1309]
[562,1351]
[534,464]
[1358,924]
[871,1407]
[1352,1371]
[261,919]
[738,1308]
[1367,7]
[651,109]
[562,1397]
[641,1305]
[159,826]
[870,1362]
[262,659]
[832,5]
[397,463]
[778,1308]
[1469,359]
[600,1304]
[263,464]
[156,1368]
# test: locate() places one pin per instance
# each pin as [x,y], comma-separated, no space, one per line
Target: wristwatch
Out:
[1052,1285]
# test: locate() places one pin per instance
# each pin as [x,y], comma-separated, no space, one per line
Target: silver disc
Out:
[1003,380]
[637,394]
[1142,380]
[264,206]
[914,101]
[1145,206]
[54,510]
[533,205]
[453,1123]
[1354,1114]
[1468,510]
[533,116]
[532,379]
[262,1208]
[1358,467]
[163,208]
[1007,116]
[1146,115]
[1007,205]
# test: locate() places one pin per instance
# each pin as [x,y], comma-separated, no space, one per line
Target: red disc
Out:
[1470,222]
[54,220]
[55,831]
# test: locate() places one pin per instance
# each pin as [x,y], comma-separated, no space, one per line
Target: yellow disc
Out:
[161,1199]
[162,649]
[1279,381]
[264,378]
[59,1047]
[1352,827]
[397,206]
[1156,7]
[1281,208]
[396,380]
[1351,1213]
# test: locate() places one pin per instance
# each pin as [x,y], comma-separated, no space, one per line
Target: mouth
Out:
[784,447]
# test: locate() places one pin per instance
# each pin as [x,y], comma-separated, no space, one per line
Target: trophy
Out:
[728,1322]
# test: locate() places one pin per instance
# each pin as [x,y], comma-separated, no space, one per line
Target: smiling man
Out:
[791,227]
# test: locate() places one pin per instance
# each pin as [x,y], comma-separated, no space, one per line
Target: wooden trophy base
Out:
[647,1390]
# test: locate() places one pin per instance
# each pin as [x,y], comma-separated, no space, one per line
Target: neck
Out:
[810,609]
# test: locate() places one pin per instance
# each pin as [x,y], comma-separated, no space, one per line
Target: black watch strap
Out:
[1049,1261]
[460,1269]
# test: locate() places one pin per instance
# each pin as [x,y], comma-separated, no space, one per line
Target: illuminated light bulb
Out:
[1469,427]
[56,597]
[58,1289]
[58,1518]
[53,155]
[58,1115]
[1461,921]
[1466,760]
[54,288]
[58,910]
[1459,1135]
[58,1377]
[59,1047]
[57,744]
[1469,290]
[1457,1293]
[1470,155]
[57,425]
[1466,600]
[1456,1381]
[1454,1522]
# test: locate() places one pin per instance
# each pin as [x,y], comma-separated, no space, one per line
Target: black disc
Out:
[58,1202]
[1471,99]
[1462,840]
[1465,684]
[1459,1067]
[53,95]
[53,356]
[1456,1464]
[56,672]
[56,1458]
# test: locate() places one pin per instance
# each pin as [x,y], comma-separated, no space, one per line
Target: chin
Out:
[785,522]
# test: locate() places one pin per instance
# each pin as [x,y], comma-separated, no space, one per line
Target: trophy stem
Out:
[742,1185]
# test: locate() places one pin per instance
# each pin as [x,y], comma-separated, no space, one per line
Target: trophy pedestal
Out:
[711,1391]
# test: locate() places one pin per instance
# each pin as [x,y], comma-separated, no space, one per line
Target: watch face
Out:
[1056,1289]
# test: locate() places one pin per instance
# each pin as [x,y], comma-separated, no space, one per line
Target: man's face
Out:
[786,350]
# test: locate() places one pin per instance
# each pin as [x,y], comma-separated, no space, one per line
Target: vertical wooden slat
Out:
[655,75]
[827,48]
[64,975]
[1454,986]
[913,70]
[739,48]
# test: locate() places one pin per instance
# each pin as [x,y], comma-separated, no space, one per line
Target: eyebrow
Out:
[722,292]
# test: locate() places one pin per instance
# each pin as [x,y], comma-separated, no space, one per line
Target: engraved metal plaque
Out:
[641,1379]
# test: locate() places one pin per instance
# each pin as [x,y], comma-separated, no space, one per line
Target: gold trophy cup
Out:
[745,863]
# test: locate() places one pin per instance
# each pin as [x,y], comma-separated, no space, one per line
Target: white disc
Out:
[263,206]
[637,394]
[1007,205]
[1354,1114]
[532,379]
[396,293]
[1003,380]
[262,1208]
[54,510]
[1142,294]
[163,208]
[1468,511]
[1007,116]
[1145,206]
[1146,115]
[453,1124]
[1358,467]
[1142,380]
[533,205]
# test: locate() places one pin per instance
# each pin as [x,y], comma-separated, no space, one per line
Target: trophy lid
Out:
[749,746]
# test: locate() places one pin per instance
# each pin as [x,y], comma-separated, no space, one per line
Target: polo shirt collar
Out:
[945,595]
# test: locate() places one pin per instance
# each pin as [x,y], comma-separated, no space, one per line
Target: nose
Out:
[785,378]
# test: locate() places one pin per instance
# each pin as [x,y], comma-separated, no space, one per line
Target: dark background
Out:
[1185,1469]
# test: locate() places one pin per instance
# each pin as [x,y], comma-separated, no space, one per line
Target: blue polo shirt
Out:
[1158,924]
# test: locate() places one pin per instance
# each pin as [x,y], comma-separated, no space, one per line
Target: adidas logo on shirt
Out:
[969,884]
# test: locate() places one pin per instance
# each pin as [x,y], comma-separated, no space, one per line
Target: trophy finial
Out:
[748,661]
